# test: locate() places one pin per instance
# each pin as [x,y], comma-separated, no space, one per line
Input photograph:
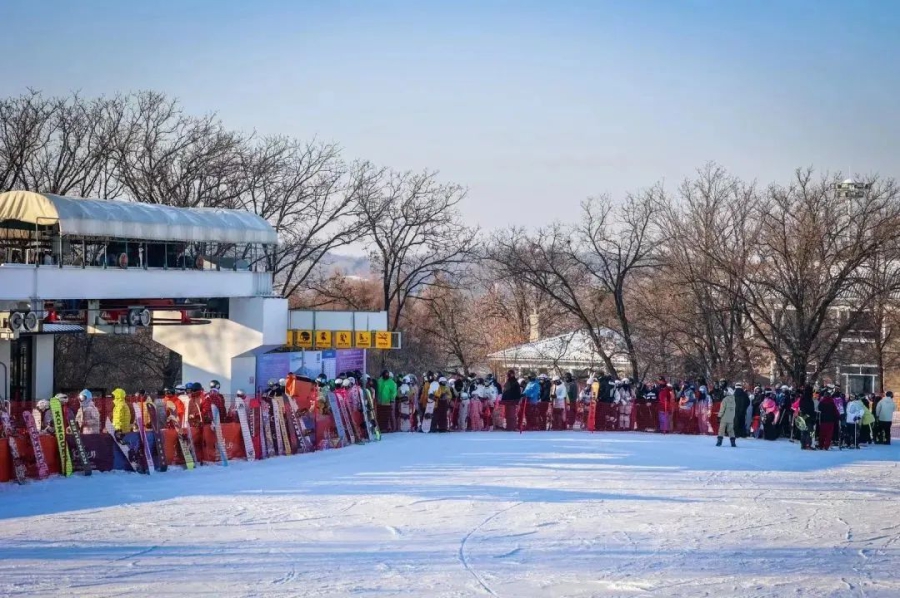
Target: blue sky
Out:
[533,105]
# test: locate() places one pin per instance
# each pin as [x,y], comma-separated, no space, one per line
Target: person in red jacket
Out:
[213,397]
[666,397]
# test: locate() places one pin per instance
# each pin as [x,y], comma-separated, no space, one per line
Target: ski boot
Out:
[719,441]
[733,444]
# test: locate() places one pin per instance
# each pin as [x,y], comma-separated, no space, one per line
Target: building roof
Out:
[572,349]
[131,220]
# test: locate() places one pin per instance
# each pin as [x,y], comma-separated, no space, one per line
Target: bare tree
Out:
[805,285]
[586,267]
[416,234]
[308,194]
[705,308]
[167,157]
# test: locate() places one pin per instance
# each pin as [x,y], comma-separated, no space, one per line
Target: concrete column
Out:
[208,351]
[5,358]
[42,366]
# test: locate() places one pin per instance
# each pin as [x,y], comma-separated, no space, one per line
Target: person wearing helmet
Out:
[43,418]
[532,394]
[509,402]
[174,407]
[442,396]
[543,409]
[213,397]
[559,394]
[90,415]
[121,417]
[386,398]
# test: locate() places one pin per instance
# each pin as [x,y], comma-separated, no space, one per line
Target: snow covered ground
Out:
[477,514]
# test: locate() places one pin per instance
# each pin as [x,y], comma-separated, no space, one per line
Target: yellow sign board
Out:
[382,340]
[323,339]
[363,339]
[343,339]
[303,339]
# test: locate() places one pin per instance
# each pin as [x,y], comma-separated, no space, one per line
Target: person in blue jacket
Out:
[533,397]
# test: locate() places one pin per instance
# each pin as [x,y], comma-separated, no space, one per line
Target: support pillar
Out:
[5,358]
[42,366]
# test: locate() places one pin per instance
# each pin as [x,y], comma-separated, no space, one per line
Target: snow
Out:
[474,514]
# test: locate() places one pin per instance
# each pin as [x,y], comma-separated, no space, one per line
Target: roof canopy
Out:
[132,220]
[571,348]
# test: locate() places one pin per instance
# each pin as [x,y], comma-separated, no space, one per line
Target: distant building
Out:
[569,352]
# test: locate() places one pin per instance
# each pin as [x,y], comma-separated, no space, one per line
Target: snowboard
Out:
[241,408]
[309,435]
[370,401]
[291,407]
[157,411]
[429,415]
[253,427]
[86,466]
[142,434]
[349,422]
[405,414]
[463,415]
[281,431]
[186,426]
[126,450]
[220,440]
[338,418]
[35,438]
[59,429]
[18,463]
[369,417]
[266,422]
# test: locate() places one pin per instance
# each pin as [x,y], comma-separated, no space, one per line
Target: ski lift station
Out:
[200,278]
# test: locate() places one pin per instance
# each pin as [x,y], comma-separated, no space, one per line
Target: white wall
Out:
[243,374]
[42,366]
[208,351]
[22,283]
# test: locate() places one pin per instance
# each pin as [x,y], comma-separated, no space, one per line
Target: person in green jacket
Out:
[386,395]
[726,418]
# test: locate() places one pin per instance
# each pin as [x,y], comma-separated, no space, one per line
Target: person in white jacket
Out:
[884,416]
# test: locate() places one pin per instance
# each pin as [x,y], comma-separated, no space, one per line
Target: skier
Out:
[533,397]
[213,397]
[884,413]
[666,397]
[828,419]
[441,397]
[90,415]
[807,411]
[741,404]
[560,394]
[726,418]
[509,401]
[386,394]
[543,414]
[42,416]
[769,411]
[121,417]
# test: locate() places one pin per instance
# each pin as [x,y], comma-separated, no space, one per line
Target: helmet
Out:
[407,380]
[556,379]
[521,381]
[43,404]
[239,393]
[85,395]
[347,383]
[442,380]
[282,382]
[180,388]
[272,382]
[214,384]
[61,397]
[531,377]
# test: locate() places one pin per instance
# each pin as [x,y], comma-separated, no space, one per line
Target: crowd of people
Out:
[817,418]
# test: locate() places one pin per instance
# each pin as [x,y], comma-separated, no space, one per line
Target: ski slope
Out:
[475,514]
